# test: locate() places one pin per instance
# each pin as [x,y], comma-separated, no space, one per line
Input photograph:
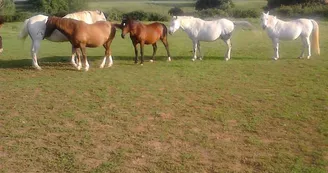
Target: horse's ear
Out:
[267,13]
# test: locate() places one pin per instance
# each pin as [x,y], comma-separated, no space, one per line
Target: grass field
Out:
[249,114]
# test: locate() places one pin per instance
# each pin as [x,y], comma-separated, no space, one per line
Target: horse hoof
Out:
[169,59]
[227,59]
[193,59]
[151,60]
[300,57]
[141,64]
[308,57]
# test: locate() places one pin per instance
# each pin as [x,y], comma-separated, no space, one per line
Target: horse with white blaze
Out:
[208,31]
[35,27]
[291,30]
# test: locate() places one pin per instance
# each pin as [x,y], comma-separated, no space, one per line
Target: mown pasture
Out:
[249,114]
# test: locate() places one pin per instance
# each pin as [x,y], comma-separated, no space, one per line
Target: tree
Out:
[277,3]
[7,7]
[220,4]
[59,6]
[175,11]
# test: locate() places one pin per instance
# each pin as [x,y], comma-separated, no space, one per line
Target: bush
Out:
[114,14]
[59,6]
[207,4]
[175,11]
[297,11]
[143,16]
[237,13]
[211,13]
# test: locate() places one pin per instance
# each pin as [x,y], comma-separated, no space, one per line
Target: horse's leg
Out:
[307,43]
[194,50]
[275,42]
[104,60]
[135,53]
[154,51]
[199,51]
[79,61]
[34,51]
[86,64]
[73,57]
[166,44]
[142,52]
[108,55]
[227,55]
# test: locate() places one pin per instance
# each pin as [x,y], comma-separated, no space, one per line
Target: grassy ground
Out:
[250,114]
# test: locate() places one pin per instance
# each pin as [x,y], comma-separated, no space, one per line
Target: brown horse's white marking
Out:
[145,34]
[82,35]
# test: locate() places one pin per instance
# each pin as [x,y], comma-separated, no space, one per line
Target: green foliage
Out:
[236,13]
[59,6]
[206,4]
[175,11]
[7,7]
[299,10]
[146,16]
[277,3]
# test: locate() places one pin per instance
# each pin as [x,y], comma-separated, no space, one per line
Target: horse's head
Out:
[125,26]
[50,26]
[264,20]
[174,25]
[268,20]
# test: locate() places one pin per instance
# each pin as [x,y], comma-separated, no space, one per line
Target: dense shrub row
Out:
[236,13]
[294,11]
[117,15]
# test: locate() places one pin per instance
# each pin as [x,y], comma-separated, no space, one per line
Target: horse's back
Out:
[214,29]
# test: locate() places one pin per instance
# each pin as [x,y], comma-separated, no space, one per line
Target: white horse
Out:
[278,29]
[36,26]
[201,30]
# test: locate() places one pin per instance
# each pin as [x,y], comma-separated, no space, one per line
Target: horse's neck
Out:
[187,23]
[65,26]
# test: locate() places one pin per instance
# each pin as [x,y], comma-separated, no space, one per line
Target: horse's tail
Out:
[24,32]
[244,24]
[113,30]
[164,30]
[315,37]
[117,25]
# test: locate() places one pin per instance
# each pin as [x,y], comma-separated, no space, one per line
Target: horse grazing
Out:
[145,34]
[278,29]
[36,26]
[201,30]
[82,35]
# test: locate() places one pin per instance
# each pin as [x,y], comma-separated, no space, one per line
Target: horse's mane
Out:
[65,25]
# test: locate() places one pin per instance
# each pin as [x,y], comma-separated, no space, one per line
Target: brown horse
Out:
[145,34]
[82,35]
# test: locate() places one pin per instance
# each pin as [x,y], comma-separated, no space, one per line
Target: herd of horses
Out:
[91,29]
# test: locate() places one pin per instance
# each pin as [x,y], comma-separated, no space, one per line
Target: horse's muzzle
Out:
[122,35]
[264,27]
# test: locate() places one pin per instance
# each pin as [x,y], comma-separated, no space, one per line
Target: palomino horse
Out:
[278,29]
[145,34]
[201,30]
[82,35]
[36,26]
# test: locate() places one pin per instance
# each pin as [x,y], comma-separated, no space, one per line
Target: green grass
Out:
[250,114]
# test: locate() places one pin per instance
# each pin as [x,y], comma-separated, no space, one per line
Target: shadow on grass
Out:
[65,61]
